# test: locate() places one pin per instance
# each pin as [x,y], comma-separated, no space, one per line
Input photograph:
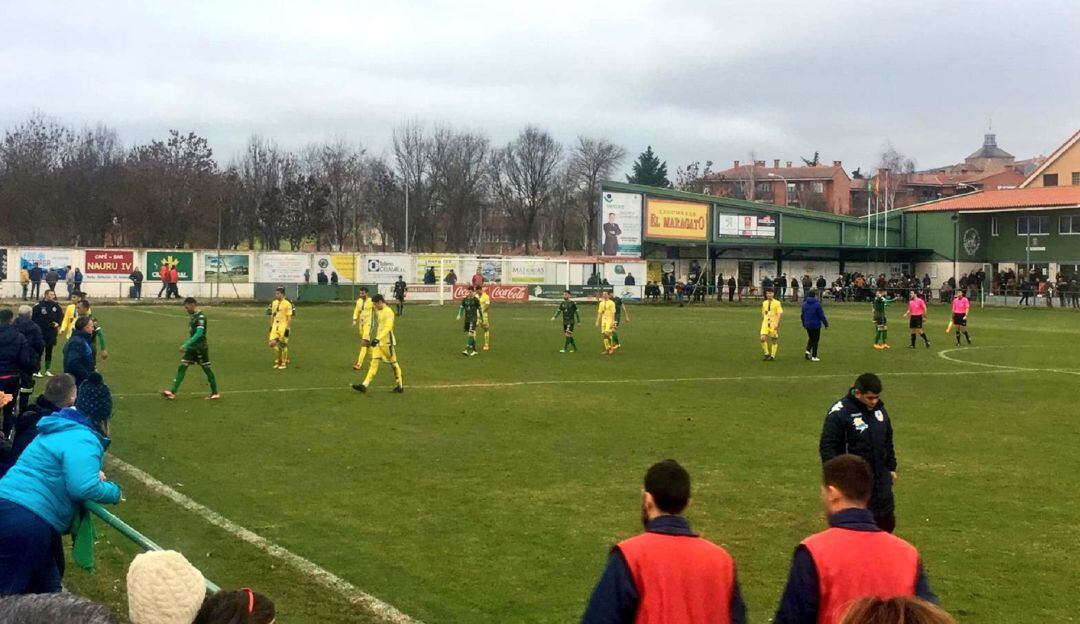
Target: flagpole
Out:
[885,230]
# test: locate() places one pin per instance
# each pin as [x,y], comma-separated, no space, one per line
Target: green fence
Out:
[129,532]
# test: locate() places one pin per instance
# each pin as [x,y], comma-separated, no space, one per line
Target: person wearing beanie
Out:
[164,588]
[38,496]
[238,606]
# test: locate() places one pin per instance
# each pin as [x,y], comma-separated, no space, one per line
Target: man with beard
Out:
[667,573]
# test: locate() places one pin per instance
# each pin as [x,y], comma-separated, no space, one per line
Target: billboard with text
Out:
[669,219]
[620,224]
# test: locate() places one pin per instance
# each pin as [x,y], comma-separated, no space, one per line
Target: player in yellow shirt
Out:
[281,316]
[71,314]
[383,347]
[362,317]
[771,311]
[605,320]
[485,318]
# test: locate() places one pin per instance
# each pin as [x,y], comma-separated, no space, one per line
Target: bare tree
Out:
[385,197]
[592,162]
[692,178]
[263,170]
[458,162]
[31,157]
[894,172]
[340,167]
[411,155]
[524,175]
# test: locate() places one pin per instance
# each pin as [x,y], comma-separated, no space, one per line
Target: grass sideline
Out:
[497,500]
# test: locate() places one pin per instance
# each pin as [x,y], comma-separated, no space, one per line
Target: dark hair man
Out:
[36,273]
[48,315]
[612,232]
[59,393]
[859,424]
[78,354]
[16,360]
[667,573]
[195,350]
[851,559]
[29,329]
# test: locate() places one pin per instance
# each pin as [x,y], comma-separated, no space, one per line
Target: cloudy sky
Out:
[696,80]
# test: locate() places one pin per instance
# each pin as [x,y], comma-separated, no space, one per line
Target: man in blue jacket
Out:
[38,496]
[78,354]
[813,319]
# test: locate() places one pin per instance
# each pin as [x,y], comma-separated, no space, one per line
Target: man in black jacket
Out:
[858,424]
[48,315]
[15,361]
[33,336]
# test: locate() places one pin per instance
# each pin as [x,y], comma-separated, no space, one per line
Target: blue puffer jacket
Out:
[813,315]
[59,469]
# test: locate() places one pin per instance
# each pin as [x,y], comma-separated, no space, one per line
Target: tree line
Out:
[69,187]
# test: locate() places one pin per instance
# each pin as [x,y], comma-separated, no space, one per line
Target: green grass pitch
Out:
[492,490]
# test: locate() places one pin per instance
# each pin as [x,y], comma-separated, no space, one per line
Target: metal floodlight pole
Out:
[406,216]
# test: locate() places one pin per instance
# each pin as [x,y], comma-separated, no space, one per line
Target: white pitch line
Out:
[1003,367]
[555,382]
[355,596]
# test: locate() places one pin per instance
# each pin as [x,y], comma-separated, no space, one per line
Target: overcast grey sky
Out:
[697,80]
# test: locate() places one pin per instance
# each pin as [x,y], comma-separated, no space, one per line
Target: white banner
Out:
[528,272]
[448,261]
[746,226]
[47,259]
[620,224]
[617,273]
[284,267]
[385,268]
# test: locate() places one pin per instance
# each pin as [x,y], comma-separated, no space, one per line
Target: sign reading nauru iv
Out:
[620,224]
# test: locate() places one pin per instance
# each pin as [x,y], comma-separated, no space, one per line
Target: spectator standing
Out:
[238,606]
[38,496]
[136,278]
[795,289]
[164,588]
[16,360]
[781,286]
[24,281]
[163,273]
[36,341]
[478,278]
[450,277]
[59,393]
[69,280]
[821,283]
[333,278]
[36,273]
[807,284]
[668,573]
[321,278]
[174,282]
[307,276]
[78,352]
[860,425]
[48,315]
[78,279]
[51,278]
[766,285]
[851,559]
[629,281]
[430,278]
[1061,285]
[731,284]
[813,319]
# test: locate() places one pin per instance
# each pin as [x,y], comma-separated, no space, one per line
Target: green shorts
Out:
[197,355]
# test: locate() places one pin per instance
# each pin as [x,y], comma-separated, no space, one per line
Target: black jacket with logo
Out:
[850,427]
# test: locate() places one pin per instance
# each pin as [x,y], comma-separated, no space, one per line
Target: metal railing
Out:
[129,532]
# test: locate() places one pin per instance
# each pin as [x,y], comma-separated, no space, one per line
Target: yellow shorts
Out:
[365,331]
[386,353]
[768,330]
[606,326]
[277,333]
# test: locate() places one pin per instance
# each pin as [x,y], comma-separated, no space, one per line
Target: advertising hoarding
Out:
[497,292]
[235,268]
[283,267]
[46,258]
[677,220]
[342,264]
[108,264]
[746,226]
[620,224]
[385,268]
[182,261]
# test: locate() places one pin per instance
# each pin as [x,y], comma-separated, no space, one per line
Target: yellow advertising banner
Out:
[672,219]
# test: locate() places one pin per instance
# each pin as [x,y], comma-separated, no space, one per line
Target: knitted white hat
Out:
[163,588]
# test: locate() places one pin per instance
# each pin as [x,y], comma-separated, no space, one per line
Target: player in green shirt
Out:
[570,315]
[620,313]
[881,338]
[474,315]
[195,351]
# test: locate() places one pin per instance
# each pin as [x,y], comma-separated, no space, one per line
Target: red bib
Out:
[680,579]
[858,564]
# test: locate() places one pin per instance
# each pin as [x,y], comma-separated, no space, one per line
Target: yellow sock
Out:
[277,355]
[772,351]
[285,355]
[487,338]
[374,368]
[607,342]
[765,347]
[360,358]
[399,377]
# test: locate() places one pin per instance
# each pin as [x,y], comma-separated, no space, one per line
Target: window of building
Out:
[1049,179]
[993,226]
[763,190]
[1076,178]
[1032,225]
[818,188]
[792,194]
[1069,224]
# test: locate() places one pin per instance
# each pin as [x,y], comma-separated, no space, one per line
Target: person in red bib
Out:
[853,558]
[667,575]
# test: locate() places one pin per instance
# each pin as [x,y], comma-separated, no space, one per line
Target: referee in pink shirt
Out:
[960,307]
[916,313]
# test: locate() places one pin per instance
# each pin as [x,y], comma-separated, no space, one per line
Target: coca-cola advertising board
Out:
[497,292]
